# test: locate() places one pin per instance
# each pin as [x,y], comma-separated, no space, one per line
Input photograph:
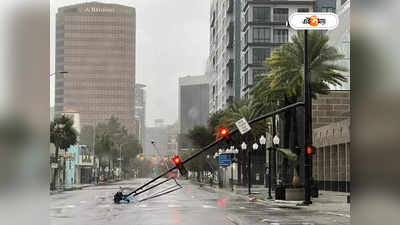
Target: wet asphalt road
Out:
[191,205]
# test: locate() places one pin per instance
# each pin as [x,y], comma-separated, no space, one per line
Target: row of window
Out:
[257,76]
[263,35]
[259,56]
[103,18]
[263,14]
[97,27]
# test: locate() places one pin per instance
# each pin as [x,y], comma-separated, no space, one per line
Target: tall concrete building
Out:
[265,29]
[95,43]
[223,68]
[193,106]
[140,112]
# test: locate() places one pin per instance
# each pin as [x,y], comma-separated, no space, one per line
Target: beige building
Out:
[95,44]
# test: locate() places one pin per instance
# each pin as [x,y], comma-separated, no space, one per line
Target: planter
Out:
[294,194]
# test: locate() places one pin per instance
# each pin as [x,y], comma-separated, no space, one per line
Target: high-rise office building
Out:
[140,112]
[265,28]
[193,106]
[95,44]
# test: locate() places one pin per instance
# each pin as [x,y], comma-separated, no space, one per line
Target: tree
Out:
[62,135]
[214,121]
[201,137]
[284,83]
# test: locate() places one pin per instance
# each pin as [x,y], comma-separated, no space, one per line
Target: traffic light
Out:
[178,162]
[311,150]
[223,132]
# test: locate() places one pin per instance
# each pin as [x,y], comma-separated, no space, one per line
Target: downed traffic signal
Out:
[178,162]
[311,150]
[223,132]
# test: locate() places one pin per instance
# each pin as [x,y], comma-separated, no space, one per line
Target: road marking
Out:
[70,206]
[174,206]
[209,207]
[104,206]
[338,214]
[241,207]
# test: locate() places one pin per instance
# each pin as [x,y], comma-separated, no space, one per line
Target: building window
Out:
[302,10]
[262,34]
[246,38]
[328,9]
[246,58]
[281,35]
[262,14]
[246,79]
[246,16]
[257,75]
[260,54]
[281,14]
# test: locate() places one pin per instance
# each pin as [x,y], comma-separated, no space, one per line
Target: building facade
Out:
[193,103]
[95,44]
[223,69]
[264,29]
[140,112]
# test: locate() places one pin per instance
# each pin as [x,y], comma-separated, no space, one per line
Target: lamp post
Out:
[244,147]
[263,141]
[276,141]
[120,159]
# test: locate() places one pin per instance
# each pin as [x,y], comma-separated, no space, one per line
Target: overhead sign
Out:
[313,21]
[225,160]
[243,126]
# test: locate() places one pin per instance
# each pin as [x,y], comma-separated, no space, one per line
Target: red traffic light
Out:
[311,150]
[177,160]
[223,132]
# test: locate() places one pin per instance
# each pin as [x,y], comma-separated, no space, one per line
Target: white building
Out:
[220,69]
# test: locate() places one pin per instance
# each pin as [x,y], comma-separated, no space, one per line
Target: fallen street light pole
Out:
[136,191]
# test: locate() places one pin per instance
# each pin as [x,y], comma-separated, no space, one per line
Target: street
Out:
[191,205]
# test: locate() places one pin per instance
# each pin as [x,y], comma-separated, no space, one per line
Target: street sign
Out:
[54,165]
[313,21]
[243,126]
[225,160]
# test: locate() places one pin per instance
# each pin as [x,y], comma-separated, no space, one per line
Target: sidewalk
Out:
[79,187]
[328,202]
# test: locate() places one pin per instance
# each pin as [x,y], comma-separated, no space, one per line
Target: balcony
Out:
[229,100]
[230,7]
[229,66]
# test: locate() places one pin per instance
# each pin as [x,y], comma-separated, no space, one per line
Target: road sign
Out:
[243,126]
[54,165]
[225,160]
[313,21]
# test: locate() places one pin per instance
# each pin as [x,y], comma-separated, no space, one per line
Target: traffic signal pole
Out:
[307,123]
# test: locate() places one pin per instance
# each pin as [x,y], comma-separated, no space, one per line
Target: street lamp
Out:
[120,159]
[263,141]
[276,140]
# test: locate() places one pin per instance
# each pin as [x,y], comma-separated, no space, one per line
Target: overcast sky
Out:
[172,40]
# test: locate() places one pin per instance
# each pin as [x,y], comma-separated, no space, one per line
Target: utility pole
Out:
[307,123]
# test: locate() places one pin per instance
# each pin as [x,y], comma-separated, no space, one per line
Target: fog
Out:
[172,40]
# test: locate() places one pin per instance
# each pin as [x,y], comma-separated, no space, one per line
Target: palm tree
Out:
[284,84]
[62,135]
[247,109]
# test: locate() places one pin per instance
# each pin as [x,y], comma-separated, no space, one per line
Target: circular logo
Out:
[314,21]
